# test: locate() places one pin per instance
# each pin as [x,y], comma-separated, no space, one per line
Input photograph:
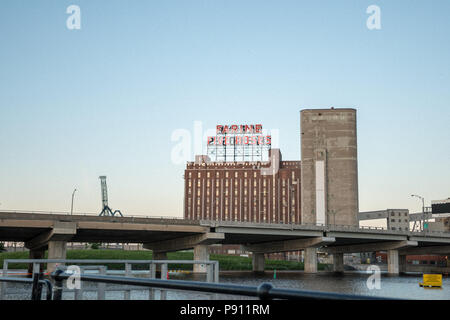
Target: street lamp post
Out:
[423,210]
[71,206]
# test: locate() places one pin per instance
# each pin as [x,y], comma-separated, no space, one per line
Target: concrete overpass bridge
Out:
[42,231]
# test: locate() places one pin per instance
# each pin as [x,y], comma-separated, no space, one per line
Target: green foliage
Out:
[226,262]
[95,245]
[2,247]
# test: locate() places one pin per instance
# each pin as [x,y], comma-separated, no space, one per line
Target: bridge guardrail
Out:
[91,214]
[264,291]
[212,269]
[320,226]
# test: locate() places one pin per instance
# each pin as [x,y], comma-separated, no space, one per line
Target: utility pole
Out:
[71,206]
[423,212]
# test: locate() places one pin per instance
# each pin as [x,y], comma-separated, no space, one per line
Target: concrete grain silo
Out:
[329,167]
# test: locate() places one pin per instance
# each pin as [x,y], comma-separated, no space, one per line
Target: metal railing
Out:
[211,268]
[92,214]
[36,281]
[320,227]
[264,291]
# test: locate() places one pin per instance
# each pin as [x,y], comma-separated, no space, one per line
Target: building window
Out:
[208,174]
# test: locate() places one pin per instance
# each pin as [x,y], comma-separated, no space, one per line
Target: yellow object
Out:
[431,280]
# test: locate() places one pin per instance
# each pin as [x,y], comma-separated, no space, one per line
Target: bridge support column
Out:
[338,262]
[258,262]
[393,262]
[310,260]
[56,250]
[201,252]
[402,264]
[159,255]
[36,254]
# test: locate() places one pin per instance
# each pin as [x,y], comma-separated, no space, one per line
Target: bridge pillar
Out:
[393,262]
[56,250]
[201,252]
[338,262]
[402,263]
[310,260]
[258,262]
[159,255]
[36,254]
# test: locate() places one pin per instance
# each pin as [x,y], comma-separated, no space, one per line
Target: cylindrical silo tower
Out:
[329,166]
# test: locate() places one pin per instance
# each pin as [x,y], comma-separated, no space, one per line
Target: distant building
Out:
[396,219]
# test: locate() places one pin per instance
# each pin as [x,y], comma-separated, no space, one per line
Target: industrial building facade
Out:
[261,191]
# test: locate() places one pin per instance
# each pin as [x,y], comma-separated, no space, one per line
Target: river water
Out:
[403,287]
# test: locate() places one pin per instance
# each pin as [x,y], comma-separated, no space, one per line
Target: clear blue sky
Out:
[105,99]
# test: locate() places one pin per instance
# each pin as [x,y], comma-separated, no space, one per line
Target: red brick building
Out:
[261,191]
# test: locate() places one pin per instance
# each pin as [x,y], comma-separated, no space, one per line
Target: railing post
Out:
[151,291]
[209,272]
[36,291]
[58,287]
[126,294]
[216,271]
[3,285]
[163,293]
[101,285]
